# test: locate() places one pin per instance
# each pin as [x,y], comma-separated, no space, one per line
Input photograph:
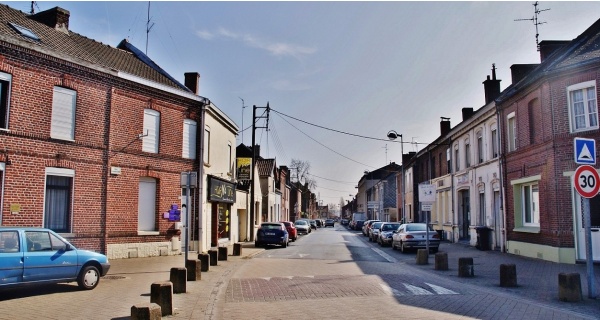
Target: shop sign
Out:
[221,191]
[244,169]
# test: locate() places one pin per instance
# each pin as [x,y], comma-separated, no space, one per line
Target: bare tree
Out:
[301,171]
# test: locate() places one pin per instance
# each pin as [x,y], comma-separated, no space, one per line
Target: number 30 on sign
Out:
[586,181]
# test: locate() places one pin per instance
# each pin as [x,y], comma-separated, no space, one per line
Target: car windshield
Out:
[376,225]
[301,223]
[389,227]
[417,227]
[270,226]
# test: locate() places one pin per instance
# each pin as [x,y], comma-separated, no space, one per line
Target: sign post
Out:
[426,198]
[587,184]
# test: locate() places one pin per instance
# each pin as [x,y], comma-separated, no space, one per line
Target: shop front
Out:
[221,197]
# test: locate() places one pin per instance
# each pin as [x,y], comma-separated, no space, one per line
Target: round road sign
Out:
[587,181]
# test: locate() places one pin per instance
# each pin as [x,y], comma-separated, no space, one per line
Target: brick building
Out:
[93,138]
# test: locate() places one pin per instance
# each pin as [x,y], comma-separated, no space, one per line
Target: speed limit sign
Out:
[587,181]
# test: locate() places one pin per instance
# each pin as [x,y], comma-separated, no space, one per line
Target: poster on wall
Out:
[244,171]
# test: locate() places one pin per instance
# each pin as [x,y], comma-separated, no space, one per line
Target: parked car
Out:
[413,236]
[366,226]
[374,230]
[302,226]
[330,223]
[40,256]
[386,231]
[291,229]
[313,224]
[272,233]
[359,224]
[344,222]
[319,223]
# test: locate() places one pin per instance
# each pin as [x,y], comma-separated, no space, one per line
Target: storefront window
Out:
[224,220]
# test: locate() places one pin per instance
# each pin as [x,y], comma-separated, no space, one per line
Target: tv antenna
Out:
[148,27]
[536,23]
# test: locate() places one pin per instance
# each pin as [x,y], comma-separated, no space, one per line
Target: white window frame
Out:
[151,131]
[520,188]
[494,143]
[62,172]
[5,77]
[585,87]
[63,114]
[511,132]
[188,149]
[147,219]
[207,145]
[467,153]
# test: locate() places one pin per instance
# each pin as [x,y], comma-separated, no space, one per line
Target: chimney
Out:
[491,86]
[192,81]
[444,126]
[467,113]
[548,47]
[520,71]
[56,18]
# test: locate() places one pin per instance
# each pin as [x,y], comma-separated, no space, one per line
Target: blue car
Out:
[40,256]
[272,233]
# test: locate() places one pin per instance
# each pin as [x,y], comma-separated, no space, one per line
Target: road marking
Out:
[390,291]
[385,255]
[302,255]
[440,290]
[267,278]
[416,290]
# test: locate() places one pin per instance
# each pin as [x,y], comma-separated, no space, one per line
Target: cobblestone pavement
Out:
[254,286]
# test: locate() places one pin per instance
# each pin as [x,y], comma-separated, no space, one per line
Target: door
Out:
[11,258]
[595,227]
[46,259]
[465,215]
[497,219]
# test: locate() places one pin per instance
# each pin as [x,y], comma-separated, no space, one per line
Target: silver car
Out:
[413,236]
[374,230]
[386,232]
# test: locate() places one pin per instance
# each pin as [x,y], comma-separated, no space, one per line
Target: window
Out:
[583,108]
[494,143]
[448,161]
[229,159]
[467,154]
[206,146]
[24,31]
[58,199]
[63,114]
[5,80]
[480,147]
[511,132]
[481,207]
[147,204]
[456,159]
[526,198]
[189,139]
[151,131]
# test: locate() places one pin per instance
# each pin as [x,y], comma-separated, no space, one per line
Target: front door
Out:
[464,215]
[595,227]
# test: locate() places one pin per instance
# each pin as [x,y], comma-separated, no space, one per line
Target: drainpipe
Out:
[500,173]
[201,177]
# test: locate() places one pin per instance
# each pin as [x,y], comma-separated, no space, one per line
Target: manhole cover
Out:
[113,277]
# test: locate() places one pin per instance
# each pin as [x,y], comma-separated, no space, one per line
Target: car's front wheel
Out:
[88,278]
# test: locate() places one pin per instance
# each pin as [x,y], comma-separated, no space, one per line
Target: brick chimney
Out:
[192,81]
[56,18]
[548,47]
[467,113]
[444,126]
[491,86]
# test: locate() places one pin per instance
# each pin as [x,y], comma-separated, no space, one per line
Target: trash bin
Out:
[484,238]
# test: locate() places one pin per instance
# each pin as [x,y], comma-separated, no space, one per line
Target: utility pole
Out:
[254,127]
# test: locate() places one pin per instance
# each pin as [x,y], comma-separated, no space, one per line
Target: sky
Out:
[358,68]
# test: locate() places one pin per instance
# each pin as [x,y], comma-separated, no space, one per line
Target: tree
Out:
[301,171]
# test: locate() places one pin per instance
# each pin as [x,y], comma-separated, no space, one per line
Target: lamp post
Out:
[393,135]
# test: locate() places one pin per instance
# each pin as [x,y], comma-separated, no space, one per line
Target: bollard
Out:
[441,261]
[569,287]
[178,278]
[422,256]
[508,275]
[194,270]
[161,293]
[223,253]
[214,256]
[146,311]
[465,267]
[204,262]
[237,249]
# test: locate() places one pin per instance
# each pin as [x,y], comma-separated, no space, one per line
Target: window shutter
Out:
[63,114]
[189,139]
[151,128]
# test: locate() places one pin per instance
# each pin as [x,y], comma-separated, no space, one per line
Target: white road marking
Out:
[440,290]
[385,255]
[417,290]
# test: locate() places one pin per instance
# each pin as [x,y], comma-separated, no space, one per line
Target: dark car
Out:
[358,224]
[319,223]
[413,236]
[313,224]
[329,223]
[291,229]
[272,233]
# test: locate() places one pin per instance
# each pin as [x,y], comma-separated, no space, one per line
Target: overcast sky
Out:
[362,68]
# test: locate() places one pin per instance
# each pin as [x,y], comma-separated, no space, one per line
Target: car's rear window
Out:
[270,226]
[416,227]
[287,224]
[376,225]
[389,227]
[301,222]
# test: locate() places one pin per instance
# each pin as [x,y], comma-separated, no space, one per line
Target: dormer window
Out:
[24,31]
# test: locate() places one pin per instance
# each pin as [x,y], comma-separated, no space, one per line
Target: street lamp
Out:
[393,135]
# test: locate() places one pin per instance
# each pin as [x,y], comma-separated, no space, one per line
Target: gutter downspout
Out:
[201,177]
[502,180]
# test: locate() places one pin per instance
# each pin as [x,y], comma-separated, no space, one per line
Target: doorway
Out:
[464,216]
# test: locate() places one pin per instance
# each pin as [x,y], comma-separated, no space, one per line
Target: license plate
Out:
[270,233]
[422,243]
